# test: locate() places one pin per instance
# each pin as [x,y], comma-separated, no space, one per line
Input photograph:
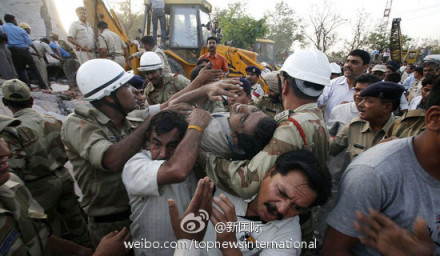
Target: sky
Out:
[420,18]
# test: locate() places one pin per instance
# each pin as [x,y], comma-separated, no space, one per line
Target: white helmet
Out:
[335,68]
[308,65]
[100,77]
[150,61]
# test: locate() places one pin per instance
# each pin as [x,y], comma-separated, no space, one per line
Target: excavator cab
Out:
[266,53]
[187,24]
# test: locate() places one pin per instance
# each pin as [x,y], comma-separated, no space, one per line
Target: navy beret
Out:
[137,82]
[253,69]
[384,90]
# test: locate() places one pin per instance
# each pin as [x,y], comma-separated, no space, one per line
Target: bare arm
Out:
[336,243]
[119,153]
[212,91]
[178,167]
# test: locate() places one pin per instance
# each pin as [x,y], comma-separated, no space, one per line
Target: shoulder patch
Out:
[283,116]
[83,110]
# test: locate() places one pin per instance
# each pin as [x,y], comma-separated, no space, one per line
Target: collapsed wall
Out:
[41,15]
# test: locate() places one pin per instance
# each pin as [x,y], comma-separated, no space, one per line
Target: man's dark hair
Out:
[419,70]
[212,38]
[262,134]
[18,104]
[393,77]
[102,25]
[429,79]
[393,69]
[366,78]
[9,18]
[431,63]
[195,72]
[412,66]
[1,22]
[434,95]
[165,121]
[298,92]
[318,178]
[246,85]
[45,40]
[148,40]
[201,61]
[365,56]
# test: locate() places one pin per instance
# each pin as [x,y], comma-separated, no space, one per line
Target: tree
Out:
[130,20]
[284,28]
[239,28]
[360,30]
[379,39]
[324,22]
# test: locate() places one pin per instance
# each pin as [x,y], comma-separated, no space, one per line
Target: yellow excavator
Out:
[187,30]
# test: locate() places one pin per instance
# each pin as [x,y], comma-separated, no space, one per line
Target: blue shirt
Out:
[409,81]
[17,37]
[64,53]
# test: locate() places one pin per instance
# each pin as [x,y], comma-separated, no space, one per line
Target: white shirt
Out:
[257,92]
[341,115]
[415,102]
[333,95]
[148,201]
[276,231]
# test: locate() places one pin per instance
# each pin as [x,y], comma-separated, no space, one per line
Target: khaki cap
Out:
[16,90]
[271,79]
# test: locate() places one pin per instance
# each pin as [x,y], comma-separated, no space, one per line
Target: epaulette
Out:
[83,110]
[357,120]
[414,113]
[134,119]
[283,116]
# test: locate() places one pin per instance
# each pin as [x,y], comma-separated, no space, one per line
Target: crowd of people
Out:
[333,160]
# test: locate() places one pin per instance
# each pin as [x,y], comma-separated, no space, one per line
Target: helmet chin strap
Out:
[116,105]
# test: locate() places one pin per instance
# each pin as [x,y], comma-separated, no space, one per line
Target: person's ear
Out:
[270,172]
[432,119]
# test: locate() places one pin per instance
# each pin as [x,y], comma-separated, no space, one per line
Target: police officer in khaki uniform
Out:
[110,45]
[100,140]
[270,103]
[22,219]
[38,156]
[253,75]
[300,126]
[379,101]
[161,86]
[412,123]
[82,37]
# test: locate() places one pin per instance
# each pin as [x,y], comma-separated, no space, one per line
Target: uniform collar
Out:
[366,127]
[306,106]
[23,111]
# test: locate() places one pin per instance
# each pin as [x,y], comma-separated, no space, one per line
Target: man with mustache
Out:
[292,186]
[160,86]
[341,89]
[218,61]
[379,100]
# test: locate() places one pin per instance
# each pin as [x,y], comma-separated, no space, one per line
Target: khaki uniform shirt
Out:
[357,136]
[243,178]
[172,83]
[110,41]
[83,34]
[268,106]
[87,134]
[412,123]
[23,231]
[37,149]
